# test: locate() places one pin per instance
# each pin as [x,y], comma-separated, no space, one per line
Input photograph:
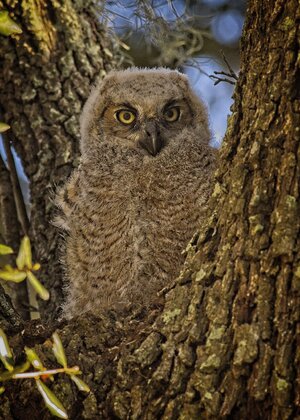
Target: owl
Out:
[139,193]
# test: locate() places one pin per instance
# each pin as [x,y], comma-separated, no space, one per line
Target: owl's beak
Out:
[151,141]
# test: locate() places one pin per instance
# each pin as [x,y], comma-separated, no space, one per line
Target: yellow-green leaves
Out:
[40,372]
[38,287]
[59,353]
[24,257]
[34,359]
[6,356]
[12,274]
[52,402]
[25,268]
[5,250]
[7,25]
[58,350]
[4,127]
[15,373]
[81,385]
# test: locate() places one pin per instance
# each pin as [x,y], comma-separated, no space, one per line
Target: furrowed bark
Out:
[44,80]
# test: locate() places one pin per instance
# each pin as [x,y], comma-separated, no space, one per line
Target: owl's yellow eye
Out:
[125,116]
[172,114]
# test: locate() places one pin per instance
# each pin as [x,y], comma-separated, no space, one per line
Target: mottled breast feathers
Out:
[140,192]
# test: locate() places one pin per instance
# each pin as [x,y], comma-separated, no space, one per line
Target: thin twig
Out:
[231,71]
[220,79]
[225,74]
[228,75]
[74,370]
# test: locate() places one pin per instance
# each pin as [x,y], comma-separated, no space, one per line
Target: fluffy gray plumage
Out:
[140,191]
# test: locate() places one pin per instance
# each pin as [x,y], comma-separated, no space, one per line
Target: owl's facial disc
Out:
[151,140]
[145,124]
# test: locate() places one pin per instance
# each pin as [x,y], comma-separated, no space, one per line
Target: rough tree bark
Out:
[225,343]
[45,76]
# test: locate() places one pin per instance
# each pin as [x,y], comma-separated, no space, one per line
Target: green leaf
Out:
[73,370]
[5,250]
[4,127]
[24,257]
[36,266]
[7,25]
[5,376]
[81,385]
[38,287]
[6,356]
[2,389]
[58,350]
[15,275]
[34,359]
[52,402]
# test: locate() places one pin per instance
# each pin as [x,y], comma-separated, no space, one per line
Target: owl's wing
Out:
[66,200]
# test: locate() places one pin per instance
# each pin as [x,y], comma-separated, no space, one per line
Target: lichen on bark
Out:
[45,78]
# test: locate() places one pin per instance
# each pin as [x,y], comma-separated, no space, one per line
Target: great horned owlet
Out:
[140,191]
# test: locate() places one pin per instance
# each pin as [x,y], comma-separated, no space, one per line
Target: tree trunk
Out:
[44,81]
[225,343]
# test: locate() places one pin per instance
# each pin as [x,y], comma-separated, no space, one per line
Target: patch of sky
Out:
[227,26]
[218,99]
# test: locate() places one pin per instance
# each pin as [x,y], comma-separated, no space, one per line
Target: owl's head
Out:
[142,110]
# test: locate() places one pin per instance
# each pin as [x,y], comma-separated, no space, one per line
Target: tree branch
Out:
[230,74]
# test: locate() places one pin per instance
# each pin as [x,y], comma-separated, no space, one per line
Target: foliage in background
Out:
[173,32]
[186,34]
